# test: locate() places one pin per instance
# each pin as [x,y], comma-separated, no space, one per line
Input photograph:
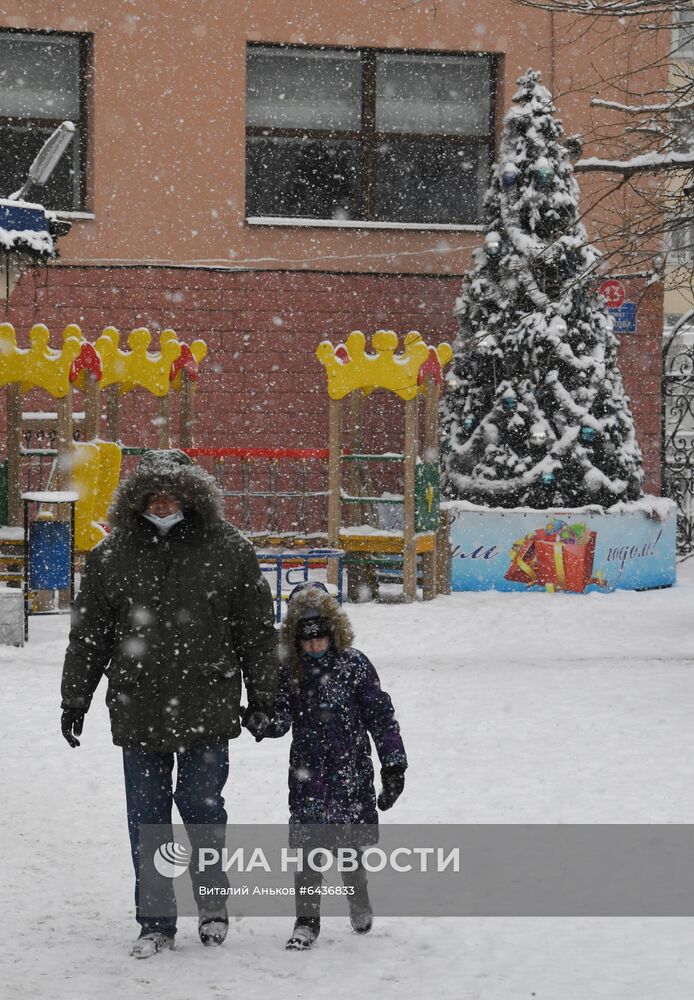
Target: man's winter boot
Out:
[151,942]
[213,930]
[306,930]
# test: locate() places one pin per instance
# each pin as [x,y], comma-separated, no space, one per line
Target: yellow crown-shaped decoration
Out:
[137,367]
[349,367]
[40,366]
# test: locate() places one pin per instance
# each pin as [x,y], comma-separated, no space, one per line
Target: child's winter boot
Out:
[306,930]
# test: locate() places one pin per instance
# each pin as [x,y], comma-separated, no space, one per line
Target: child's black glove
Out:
[255,721]
[71,723]
[393,781]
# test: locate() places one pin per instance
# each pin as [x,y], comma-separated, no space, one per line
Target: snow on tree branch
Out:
[644,109]
[610,8]
[647,163]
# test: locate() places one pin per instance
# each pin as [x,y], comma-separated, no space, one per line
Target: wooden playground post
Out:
[431,454]
[187,413]
[164,422]
[64,447]
[443,555]
[92,402]
[334,481]
[409,556]
[14,450]
[355,444]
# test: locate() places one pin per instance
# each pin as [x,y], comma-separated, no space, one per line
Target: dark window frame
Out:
[368,137]
[85,41]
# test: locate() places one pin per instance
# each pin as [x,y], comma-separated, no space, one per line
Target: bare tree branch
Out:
[640,143]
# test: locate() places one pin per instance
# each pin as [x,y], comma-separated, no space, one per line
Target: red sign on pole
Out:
[613,293]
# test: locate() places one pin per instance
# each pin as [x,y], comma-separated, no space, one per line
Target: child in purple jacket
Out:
[330,694]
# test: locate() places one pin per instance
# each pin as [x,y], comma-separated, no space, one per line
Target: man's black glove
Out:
[393,781]
[71,723]
[255,721]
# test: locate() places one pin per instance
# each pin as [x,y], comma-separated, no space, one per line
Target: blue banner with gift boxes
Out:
[583,550]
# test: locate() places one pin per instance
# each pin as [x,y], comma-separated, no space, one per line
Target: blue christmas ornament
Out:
[548,479]
[543,176]
[588,434]
[510,402]
[469,422]
[509,176]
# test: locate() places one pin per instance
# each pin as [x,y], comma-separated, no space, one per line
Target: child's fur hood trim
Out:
[313,599]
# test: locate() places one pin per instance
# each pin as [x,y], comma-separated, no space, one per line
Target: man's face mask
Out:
[164,524]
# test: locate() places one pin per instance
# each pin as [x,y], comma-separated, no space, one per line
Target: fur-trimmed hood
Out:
[313,600]
[166,472]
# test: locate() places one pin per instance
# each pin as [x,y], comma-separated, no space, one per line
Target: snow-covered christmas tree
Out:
[536,413]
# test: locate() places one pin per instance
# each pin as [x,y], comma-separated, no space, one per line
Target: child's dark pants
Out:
[307,885]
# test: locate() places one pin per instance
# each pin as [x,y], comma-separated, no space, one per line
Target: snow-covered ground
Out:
[514,708]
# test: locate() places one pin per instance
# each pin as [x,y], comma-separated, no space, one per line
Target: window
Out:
[42,83]
[682,240]
[684,34]
[683,122]
[367,135]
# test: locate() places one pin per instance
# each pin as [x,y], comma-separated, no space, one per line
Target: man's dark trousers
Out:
[202,771]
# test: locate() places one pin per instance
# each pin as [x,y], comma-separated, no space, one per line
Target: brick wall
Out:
[641,367]
[261,384]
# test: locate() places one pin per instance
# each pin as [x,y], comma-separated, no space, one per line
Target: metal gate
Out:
[678,434]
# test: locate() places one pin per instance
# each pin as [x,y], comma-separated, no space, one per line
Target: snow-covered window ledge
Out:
[270,220]
[74,216]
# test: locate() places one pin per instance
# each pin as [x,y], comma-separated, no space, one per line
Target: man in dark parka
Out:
[174,610]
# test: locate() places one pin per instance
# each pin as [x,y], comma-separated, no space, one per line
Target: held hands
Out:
[71,723]
[393,782]
[255,721]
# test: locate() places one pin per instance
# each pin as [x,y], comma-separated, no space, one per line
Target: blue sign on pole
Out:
[624,317]
[49,555]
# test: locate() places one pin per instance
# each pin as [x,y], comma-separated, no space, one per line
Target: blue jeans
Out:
[202,773]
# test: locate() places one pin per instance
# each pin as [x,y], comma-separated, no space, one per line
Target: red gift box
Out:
[565,565]
[523,561]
